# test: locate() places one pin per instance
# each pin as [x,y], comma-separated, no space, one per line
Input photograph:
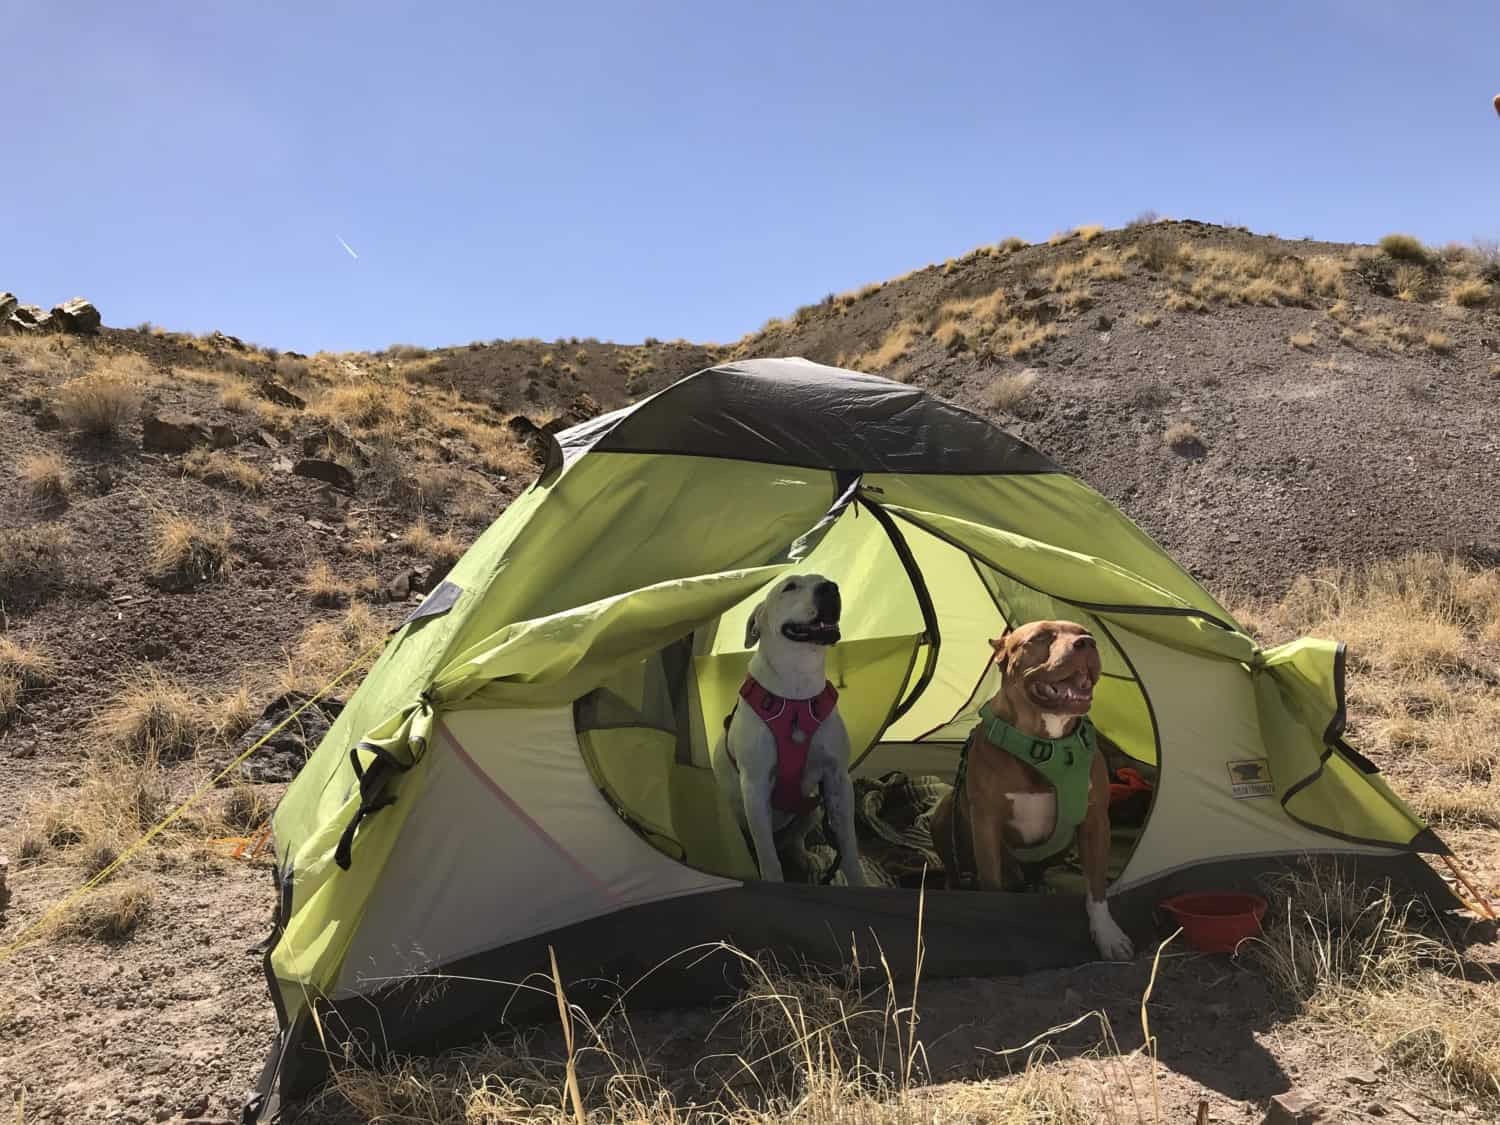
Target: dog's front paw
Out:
[1111,941]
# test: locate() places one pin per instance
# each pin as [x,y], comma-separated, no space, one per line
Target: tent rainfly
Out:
[526,765]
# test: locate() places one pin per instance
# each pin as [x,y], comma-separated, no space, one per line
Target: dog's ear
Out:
[752,625]
[998,644]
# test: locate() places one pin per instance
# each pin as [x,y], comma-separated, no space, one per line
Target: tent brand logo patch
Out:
[1251,778]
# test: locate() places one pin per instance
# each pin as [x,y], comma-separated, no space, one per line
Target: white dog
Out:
[785,743]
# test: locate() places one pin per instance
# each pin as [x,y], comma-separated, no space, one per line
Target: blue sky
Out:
[626,169]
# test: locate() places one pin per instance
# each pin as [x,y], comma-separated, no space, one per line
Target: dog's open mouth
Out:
[1073,695]
[817,632]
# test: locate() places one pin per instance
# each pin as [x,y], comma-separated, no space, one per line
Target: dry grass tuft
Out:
[155,718]
[366,406]
[47,356]
[188,554]
[111,913]
[1183,437]
[440,550]
[32,563]
[1303,341]
[892,349]
[1159,253]
[106,401]
[10,699]
[48,480]
[1472,294]
[238,397]
[29,666]
[1059,238]
[1349,954]
[1147,320]
[1009,392]
[323,587]
[1404,248]
[1240,277]
[1416,629]
[1411,282]
[327,648]
[1089,233]
[1438,342]
[216,466]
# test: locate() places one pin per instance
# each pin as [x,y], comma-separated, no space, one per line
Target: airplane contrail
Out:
[347,247]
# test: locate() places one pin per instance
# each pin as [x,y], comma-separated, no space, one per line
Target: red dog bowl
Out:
[1217,923]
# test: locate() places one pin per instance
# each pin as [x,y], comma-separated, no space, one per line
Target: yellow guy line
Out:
[26,934]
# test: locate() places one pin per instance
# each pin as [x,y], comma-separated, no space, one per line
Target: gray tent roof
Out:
[795,412]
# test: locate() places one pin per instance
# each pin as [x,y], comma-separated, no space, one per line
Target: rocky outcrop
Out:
[77,315]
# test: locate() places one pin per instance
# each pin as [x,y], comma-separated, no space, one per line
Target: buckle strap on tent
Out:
[372,795]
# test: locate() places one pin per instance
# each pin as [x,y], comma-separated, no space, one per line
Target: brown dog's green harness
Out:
[1065,763]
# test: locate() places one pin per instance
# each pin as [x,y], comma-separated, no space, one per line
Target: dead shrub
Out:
[103,403]
[24,671]
[1472,294]
[1009,392]
[893,348]
[111,913]
[33,564]
[442,550]
[47,478]
[327,648]
[1411,282]
[1183,437]
[1158,253]
[155,718]
[10,699]
[323,587]
[187,554]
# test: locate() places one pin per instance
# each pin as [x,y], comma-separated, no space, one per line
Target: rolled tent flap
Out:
[1323,784]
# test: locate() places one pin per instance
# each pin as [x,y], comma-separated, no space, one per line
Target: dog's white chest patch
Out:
[1032,815]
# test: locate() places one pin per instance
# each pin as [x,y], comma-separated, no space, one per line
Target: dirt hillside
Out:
[192,527]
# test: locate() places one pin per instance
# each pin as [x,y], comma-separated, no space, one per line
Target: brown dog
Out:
[1032,759]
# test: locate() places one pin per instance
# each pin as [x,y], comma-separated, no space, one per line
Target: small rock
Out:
[268,439]
[4,889]
[1377,1109]
[1361,1078]
[223,436]
[174,433]
[77,315]
[329,472]
[1104,323]
[8,303]
[1294,1108]
[278,392]
[198,1107]
[398,589]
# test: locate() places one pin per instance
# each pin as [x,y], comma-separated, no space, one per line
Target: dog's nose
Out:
[1084,642]
[827,600]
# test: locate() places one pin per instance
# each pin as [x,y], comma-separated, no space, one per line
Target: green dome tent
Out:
[527,763]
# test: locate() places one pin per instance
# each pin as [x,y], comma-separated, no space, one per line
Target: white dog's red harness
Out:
[793,722]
